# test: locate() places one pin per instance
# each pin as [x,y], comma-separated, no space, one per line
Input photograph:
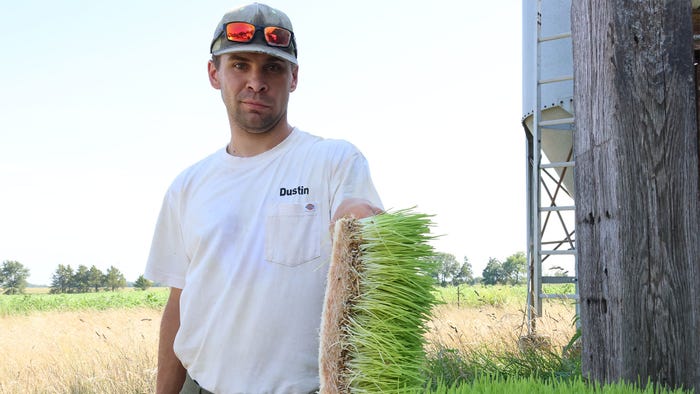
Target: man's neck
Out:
[247,144]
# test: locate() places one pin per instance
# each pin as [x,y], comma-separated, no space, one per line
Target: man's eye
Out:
[239,66]
[275,68]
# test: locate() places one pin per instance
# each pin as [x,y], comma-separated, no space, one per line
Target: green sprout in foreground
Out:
[388,318]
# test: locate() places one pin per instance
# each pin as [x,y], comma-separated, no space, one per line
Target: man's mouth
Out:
[255,105]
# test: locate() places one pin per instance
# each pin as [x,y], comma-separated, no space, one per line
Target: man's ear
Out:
[213,75]
[295,78]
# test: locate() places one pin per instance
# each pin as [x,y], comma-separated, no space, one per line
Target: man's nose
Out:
[257,82]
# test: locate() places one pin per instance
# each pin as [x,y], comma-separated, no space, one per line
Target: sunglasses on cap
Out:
[245,32]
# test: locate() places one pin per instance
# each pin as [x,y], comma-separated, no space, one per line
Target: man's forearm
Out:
[171,373]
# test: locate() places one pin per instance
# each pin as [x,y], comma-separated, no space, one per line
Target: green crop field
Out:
[497,295]
[43,302]
[39,300]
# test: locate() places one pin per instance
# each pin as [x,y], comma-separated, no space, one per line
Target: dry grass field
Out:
[111,351]
[114,351]
[499,328]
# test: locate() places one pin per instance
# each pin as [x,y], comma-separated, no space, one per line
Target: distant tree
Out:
[447,268]
[494,273]
[13,277]
[114,279]
[142,283]
[515,268]
[558,270]
[465,275]
[62,280]
[81,279]
[95,278]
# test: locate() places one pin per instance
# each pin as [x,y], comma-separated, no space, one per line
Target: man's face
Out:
[255,89]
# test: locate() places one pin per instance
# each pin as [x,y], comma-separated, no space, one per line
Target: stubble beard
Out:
[255,123]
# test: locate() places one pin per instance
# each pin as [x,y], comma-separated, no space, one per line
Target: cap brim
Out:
[257,48]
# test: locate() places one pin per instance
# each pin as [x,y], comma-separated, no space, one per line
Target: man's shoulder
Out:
[198,169]
[325,145]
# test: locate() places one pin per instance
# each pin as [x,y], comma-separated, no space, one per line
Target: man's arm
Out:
[171,373]
[357,208]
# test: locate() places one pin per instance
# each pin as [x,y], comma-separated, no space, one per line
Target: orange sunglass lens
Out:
[240,32]
[276,36]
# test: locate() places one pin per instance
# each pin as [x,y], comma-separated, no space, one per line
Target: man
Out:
[243,236]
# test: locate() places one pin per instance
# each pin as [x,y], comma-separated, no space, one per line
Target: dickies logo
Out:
[297,191]
[310,207]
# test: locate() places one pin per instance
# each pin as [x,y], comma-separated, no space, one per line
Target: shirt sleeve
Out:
[352,179]
[168,261]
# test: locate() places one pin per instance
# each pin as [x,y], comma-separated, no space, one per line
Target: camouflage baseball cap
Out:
[260,16]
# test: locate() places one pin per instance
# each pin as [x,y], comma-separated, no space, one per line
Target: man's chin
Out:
[259,125]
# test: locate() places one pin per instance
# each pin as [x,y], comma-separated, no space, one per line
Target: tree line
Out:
[85,280]
[13,279]
[13,275]
[449,271]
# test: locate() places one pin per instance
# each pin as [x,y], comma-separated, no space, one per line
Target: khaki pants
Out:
[192,387]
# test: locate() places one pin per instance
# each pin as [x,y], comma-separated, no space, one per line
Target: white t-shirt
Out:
[248,241]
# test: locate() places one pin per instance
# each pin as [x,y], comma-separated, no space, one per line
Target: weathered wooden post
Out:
[636,153]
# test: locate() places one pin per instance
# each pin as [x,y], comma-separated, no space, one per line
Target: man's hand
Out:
[357,208]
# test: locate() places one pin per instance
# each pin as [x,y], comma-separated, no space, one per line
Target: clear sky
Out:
[103,103]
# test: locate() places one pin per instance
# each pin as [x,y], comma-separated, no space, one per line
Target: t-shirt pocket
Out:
[293,234]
